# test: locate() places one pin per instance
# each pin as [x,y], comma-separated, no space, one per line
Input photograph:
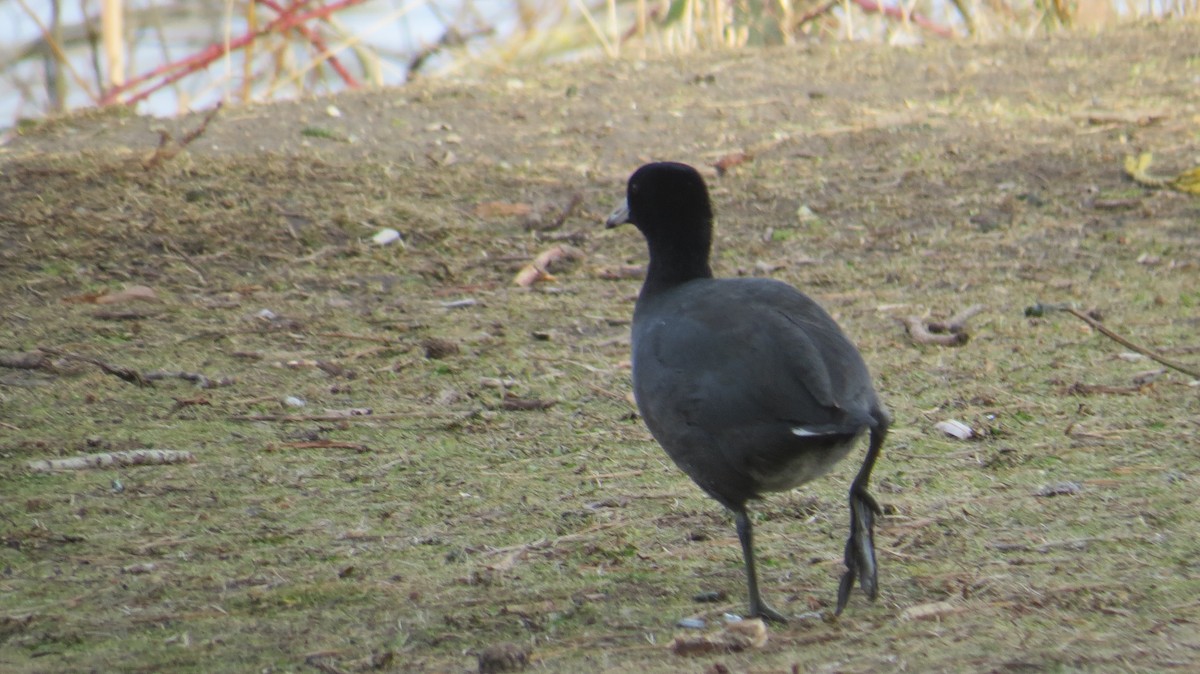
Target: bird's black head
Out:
[669,203]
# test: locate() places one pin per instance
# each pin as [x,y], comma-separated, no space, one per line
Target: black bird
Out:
[748,384]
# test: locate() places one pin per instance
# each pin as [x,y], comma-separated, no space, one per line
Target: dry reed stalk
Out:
[112,29]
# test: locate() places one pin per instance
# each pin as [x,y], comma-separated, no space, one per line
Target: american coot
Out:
[748,384]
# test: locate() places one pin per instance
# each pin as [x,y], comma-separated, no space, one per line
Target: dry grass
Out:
[936,178]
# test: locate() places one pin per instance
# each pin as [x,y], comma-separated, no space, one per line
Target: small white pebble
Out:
[385,236]
[293,401]
[333,111]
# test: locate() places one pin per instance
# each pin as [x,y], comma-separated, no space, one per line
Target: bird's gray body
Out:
[763,403]
[747,384]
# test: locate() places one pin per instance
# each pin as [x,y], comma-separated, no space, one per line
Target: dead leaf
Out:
[955,428]
[629,271]
[733,638]
[731,160]
[531,274]
[501,209]
[931,611]
[132,293]
[532,610]
[555,256]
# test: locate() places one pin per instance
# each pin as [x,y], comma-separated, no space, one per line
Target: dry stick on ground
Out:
[168,148]
[327,445]
[136,457]
[297,418]
[534,222]
[199,379]
[29,360]
[124,373]
[365,338]
[958,322]
[921,335]
[1099,327]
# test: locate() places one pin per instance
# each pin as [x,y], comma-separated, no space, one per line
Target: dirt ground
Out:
[502,492]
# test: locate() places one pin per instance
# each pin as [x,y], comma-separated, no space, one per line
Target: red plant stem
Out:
[184,67]
[870,6]
[319,42]
[816,13]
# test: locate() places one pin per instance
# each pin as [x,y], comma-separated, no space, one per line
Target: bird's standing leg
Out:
[758,609]
[860,546]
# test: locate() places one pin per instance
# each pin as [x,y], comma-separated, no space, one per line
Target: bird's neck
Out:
[672,264]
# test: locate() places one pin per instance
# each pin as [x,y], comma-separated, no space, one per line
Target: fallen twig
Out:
[123,315]
[1082,389]
[168,148]
[1138,169]
[300,418]
[135,457]
[540,268]
[386,341]
[731,638]
[1108,117]
[1153,355]
[958,322]
[124,373]
[326,444]
[29,360]
[515,404]
[535,221]
[199,401]
[199,379]
[921,335]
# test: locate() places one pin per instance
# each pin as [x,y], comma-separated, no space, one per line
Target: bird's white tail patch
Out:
[802,432]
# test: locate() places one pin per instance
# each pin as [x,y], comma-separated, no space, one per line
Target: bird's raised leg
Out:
[860,546]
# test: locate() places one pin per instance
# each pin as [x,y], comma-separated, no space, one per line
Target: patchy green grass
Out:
[447,521]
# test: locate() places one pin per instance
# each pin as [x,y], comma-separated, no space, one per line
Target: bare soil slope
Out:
[501,488]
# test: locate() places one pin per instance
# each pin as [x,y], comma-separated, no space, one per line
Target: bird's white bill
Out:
[619,216]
